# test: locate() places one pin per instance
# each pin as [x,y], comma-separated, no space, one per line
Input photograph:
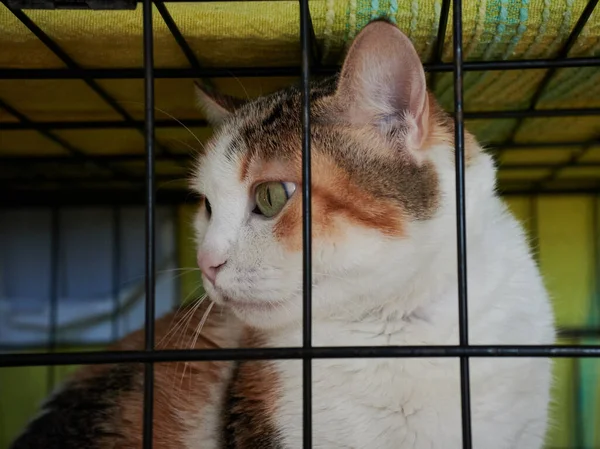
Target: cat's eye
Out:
[208,207]
[272,196]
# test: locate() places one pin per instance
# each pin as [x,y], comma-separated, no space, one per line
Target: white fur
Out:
[374,290]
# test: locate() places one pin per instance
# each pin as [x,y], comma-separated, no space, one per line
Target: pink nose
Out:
[210,264]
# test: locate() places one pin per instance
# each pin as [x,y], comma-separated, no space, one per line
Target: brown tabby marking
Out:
[182,389]
[251,404]
[357,175]
[101,406]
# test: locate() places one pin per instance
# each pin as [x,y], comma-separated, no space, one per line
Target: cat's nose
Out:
[210,264]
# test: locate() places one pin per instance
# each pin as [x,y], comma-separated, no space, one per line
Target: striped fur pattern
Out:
[384,273]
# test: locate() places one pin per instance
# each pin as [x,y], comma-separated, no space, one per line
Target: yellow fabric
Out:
[248,34]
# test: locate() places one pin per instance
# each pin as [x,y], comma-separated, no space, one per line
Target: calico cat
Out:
[384,258]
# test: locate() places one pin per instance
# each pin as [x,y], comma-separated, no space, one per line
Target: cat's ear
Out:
[382,82]
[216,106]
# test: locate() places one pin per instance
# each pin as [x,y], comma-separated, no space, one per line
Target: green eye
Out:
[271,197]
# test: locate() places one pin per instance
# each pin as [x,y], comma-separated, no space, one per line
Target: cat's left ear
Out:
[382,82]
[216,106]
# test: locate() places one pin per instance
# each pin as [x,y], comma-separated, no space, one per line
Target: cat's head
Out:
[382,188]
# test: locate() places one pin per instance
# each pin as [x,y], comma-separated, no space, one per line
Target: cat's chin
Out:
[259,314]
[252,306]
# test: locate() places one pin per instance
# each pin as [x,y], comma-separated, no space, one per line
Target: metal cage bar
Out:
[148,37]
[461,225]
[120,124]
[54,292]
[573,161]
[562,333]
[72,65]
[298,353]
[242,72]
[562,55]
[69,148]
[438,51]
[116,271]
[307,55]
[176,33]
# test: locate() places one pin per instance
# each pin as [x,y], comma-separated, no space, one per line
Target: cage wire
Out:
[310,66]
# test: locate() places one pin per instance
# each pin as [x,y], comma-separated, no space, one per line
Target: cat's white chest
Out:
[413,403]
[370,403]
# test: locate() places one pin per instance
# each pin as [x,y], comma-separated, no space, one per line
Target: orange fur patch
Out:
[181,389]
[255,390]
[335,199]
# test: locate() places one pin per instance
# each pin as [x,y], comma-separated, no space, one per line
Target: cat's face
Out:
[375,184]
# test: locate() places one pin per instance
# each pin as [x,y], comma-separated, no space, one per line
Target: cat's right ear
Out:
[215,106]
[382,83]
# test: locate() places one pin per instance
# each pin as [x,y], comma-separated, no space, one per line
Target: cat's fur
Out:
[385,273]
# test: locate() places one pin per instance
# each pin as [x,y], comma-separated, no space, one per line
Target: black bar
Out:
[67,60]
[100,124]
[441,34]
[107,158]
[136,157]
[69,345]
[573,36]
[61,346]
[54,275]
[440,38]
[150,222]
[573,161]
[116,270]
[539,166]
[525,145]
[315,51]
[84,182]
[242,72]
[135,124]
[461,226]
[210,1]
[578,333]
[323,352]
[305,39]
[533,113]
[72,65]
[24,162]
[19,199]
[71,149]
[73,4]
[174,29]
[562,55]
[537,113]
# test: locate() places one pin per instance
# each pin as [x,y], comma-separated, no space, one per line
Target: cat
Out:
[384,273]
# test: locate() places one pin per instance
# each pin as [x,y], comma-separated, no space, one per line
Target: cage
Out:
[98,121]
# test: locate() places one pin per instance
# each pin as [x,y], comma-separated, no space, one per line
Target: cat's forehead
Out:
[262,141]
[267,129]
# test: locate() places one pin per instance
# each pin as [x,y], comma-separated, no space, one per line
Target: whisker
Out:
[193,308]
[242,86]
[187,324]
[181,123]
[197,333]
[187,269]
[168,115]
[183,334]
[186,144]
